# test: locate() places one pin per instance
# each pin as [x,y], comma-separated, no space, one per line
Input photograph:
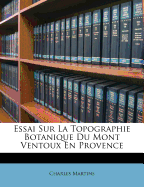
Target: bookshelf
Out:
[23,21]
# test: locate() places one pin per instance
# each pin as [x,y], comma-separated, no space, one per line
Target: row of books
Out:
[36,121]
[11,108]
[10,9]
[9,74]
[34,1]
[10,45]
[86,100]
[112,36]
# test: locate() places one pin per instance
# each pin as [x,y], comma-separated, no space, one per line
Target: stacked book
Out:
[86,100]
[11,108]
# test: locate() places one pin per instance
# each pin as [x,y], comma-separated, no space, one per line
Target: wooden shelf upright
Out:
[28,16]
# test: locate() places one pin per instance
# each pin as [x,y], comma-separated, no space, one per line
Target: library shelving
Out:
[23,22]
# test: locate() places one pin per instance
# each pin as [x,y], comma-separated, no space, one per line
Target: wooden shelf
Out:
[4,57]
[10,20]
[43,114]
[100,69]
[9,92]
[4,117]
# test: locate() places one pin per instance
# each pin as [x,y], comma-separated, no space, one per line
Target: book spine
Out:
[2,73]
[112,108]
[65,97]
[37,41]
[42,91]
[87,38]
[34,55]
[59,95]
[48,41]
[68,40]
[52,42]
[53,102]
[138,35]
[131,108]
[83,103]
[15,77]
[139,113]
[38,87]
[74,39]
[40,41]
[10,76]
[96,37]
[50,91]
[106,36]
[17,113]
[6,74]
[115,36]
[98,107]
[125,35]
[9,66]
[46,90]
[63,40]
[70,100]
[57,41]
[44,42]
[90,104]
[35,86]
[81,39]
[121,108]
[76,102]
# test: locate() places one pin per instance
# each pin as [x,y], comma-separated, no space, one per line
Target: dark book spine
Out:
[63,39]
[138,35]
[65,97]
[112,108]
[6,70]
[96,37]
[46,90]
[76,102]
[53,94]
[106,36]
[68,40]
[121,109]
[90,105]
[87,38]
[98,107]
[83,104]
[131,108]
[14,106]
[74,39]
[50,91]
[17,113]
[38,87]
[57,41]
[37,42]
[139,113]
[44,43]
[16,78]
[10,76]
[48,41]
[34,55]
[115,36]
[40,41]
[42,90]
[2,73]
[35,86]
[81,39]
[9,66]
[59,95]
[125,34]
[70,100]
[52,42]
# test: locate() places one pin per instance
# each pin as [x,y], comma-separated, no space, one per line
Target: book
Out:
[40,41]
[113,102]
[87,38]
[35,86]
[123,104]
[44,47]
[81,38]
[106,36]
[57,40]
[100,101]
[37,42]
[68,40]
[50,91]
[59,94]
[125,34]
[63,40]
[53,93]
[115,38]
[74,39]
[42,88]
[52,42]
[96,37]
[48,41]
[132,105]
[137,35]
[139,111]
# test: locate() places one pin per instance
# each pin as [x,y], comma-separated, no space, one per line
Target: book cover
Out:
[52,42]
[57,40]
[68,40]
[115,38]
[96,37]
[87,38]
[48,41]
[125,34]
[44,48]
[106,52]
[123,104]
[59,94]
[81,38]
[63,40]
[137,35]
[74,39]
[139,112]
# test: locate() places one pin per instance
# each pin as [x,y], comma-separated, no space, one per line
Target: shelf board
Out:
[99,69]
[4,117]
[10,21]
[43,114]
[4,57]
[9,92]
